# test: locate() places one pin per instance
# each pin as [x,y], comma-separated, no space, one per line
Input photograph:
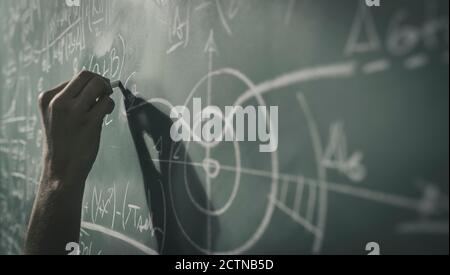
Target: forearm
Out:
[55,219]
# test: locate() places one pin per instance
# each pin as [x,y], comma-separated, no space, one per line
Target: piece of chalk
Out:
[118,84]
[115,84]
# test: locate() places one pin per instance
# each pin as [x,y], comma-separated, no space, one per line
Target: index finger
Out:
[78,83]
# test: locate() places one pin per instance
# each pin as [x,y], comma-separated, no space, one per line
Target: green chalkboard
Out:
[363,132]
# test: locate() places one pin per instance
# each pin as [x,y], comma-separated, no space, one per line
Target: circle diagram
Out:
[216,167]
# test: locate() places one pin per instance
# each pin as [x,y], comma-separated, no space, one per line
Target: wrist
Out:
[59,181]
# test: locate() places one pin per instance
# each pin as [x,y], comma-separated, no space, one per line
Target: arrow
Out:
[211,45]
[210,48]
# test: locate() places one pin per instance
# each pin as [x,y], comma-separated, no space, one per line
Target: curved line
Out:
[300,76]
[129,78]
[124,54]
[163,243]
[228,120]
[119,236]
[222,18]
[226,71]
[321,173]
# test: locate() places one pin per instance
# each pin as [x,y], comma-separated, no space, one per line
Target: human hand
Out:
[72,117]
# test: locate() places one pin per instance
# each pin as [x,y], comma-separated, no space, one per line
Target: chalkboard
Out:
[363,134]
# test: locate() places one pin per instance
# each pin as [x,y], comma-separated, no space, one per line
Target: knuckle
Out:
[44,99]
[101,83]
[84,73]
[96,84]
[97,81]
[57,104]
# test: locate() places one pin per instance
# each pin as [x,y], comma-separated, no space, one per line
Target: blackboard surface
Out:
[363,121]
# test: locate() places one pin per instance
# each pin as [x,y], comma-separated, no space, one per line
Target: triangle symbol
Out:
[336,151]
[363,35]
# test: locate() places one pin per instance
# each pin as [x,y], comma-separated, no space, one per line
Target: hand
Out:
[72,116]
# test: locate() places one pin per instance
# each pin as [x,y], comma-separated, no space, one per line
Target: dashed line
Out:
[376,66]
[417,61]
